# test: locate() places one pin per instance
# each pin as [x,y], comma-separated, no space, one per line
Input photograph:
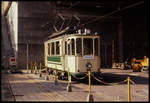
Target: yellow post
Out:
[46,71]
[69,89]
[35,68]
[40,67]
[27,69]
[55,75]
[46,78]
[40,72]
[68,77]
[31,66]
[89,82]
[129,98]
[113,52]
[90,96]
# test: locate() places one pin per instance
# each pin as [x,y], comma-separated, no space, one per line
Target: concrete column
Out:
[120,40]
[27,56]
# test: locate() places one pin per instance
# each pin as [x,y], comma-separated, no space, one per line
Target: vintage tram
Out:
[72,52]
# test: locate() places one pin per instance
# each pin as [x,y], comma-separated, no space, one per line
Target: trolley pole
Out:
[129,96]
[46,77]
[40,71]
[55,76]
[69,89]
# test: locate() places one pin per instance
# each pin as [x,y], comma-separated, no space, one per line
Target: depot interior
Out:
[122,24]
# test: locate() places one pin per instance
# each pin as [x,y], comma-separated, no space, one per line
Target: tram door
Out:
[70,55]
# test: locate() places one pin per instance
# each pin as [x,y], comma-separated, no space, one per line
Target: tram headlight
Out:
[89,66]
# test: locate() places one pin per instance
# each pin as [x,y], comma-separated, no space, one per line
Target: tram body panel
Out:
[81,64]
[75,62]
[70,63]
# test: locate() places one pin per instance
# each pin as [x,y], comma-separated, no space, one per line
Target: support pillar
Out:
[120,43]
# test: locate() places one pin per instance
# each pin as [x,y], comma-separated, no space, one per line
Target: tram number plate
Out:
[88,57]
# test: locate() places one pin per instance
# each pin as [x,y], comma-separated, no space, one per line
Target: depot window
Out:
[88,46]
[79,46]
[57,48]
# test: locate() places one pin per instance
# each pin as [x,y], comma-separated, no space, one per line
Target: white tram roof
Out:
[72,35]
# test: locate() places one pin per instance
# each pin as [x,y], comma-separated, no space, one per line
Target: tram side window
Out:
[96,47]
[48,48]
[57,48]
[73,46]
[66,47]
[53,50]
[88,46]
[68,42]
[79,46]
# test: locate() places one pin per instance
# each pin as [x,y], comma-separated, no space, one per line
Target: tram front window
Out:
[88,46]
[78,46]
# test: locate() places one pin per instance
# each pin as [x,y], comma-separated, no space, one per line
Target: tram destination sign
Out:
[88,57]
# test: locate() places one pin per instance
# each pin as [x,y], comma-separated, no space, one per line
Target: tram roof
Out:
[72,35]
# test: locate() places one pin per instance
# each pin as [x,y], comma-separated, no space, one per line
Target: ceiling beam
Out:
[113,12]
[69,13]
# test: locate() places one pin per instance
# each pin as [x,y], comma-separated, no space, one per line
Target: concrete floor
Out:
[30,88]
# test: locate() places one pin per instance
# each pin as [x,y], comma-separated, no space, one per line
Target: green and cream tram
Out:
[73,51]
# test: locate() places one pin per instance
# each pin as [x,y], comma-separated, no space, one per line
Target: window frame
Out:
[77,45]
[73,46]
[56,48]
[84,45]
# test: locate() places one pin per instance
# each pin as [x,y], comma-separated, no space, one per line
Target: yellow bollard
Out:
[46,70]
[69,89]
[40,71]
[55,75]
[31,66]
[35,71]
[27,69]
[113,52]
[90,96]
[47,78]
[129,98]
[34,67]
[68,77]
[40,67]
[89,82]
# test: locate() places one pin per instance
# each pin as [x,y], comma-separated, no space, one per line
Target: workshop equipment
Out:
[138,65]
